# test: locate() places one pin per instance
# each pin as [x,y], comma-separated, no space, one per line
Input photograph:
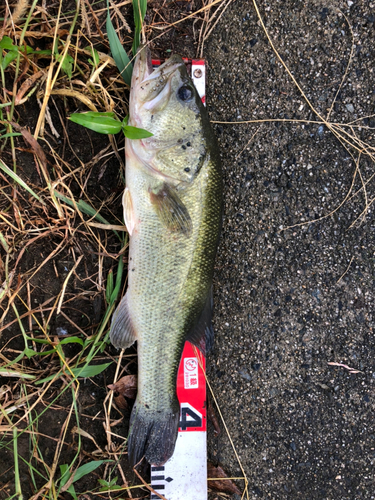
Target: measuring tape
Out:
[184,475]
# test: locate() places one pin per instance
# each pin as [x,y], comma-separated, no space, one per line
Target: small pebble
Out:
[60,330]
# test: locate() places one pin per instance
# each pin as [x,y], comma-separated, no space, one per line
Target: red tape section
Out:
[191,390]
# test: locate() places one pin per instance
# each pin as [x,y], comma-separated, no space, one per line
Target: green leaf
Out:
[87,469]
[118,52]
[46,353]
[65,476]
[7,44]
[111,488]
[38,341]
[39,52]
[98,114]
[84,372]
[116,291]
[5,245]
[135,133]
[67,63]
[18,179]
[71,340]
[109,485]
[9,57]
[95,55]
[109,288]
[90,370]
[64,471]
[13,134]
[101,122]
[139,12]
[30,353]
[103,482]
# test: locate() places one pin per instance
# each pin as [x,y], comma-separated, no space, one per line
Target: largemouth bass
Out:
[172,210]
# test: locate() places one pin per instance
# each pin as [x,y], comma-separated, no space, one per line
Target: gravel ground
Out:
[290,301]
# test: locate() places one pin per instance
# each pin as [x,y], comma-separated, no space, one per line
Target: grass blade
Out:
[139,11]
[83,371]
[109,287]
[11,373]
[86,209]
[83,207]
[118,52]
[16,468]
[87,469]
[117,288]
[19,181]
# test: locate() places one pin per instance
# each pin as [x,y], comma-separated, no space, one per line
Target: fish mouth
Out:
[142,66]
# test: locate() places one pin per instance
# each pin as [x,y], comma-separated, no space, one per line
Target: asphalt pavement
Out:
[294,283]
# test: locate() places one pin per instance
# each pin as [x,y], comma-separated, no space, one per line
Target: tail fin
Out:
[153,434]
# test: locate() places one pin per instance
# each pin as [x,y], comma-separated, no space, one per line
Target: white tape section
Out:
[198,75]
[184,476]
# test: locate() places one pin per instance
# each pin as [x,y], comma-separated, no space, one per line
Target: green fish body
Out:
[173,209]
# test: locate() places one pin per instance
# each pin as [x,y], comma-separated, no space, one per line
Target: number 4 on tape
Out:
[184,476]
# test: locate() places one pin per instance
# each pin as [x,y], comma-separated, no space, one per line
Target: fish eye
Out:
[185,93]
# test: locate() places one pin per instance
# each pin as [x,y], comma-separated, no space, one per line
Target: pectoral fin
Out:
[171,210]
[128,211]
[122,333]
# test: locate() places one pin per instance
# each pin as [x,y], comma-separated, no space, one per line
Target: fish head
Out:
[165,102]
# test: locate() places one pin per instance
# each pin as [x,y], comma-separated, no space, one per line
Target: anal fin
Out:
[122,333]
[171,210]
[202,335]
